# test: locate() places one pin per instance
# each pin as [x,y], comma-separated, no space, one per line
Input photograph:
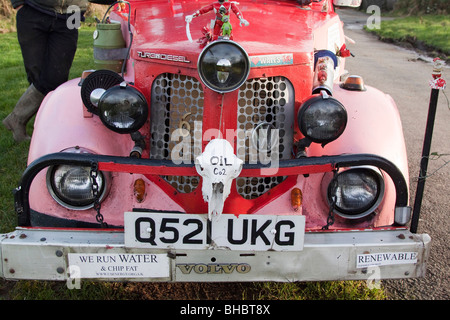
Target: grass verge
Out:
[430,33]
[329,290]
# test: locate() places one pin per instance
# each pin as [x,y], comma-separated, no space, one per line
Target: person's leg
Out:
[61,48]
[32,39]
[32,34]
[26,107]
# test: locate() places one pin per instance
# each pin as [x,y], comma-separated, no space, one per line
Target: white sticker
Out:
[334,38]
[385,258]
[270,60]
[121,265]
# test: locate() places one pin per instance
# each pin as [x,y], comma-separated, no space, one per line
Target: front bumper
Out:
[292,167]
[58,254]
[41,254]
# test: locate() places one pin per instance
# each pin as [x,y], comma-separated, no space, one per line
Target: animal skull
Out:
[218,166]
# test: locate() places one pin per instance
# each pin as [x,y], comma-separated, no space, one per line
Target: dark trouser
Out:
[48,48]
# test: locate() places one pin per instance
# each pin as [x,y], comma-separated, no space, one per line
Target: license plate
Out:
[195,231]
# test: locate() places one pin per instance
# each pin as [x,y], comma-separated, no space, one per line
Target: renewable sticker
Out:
[385,258]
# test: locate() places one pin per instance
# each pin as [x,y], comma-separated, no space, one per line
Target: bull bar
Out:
[43,254]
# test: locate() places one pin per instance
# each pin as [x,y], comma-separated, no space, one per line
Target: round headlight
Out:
[322,118]
[357,192]
[71,186]
[123,109]
[223,66]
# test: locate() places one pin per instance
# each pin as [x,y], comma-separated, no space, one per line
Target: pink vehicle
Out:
[221,142]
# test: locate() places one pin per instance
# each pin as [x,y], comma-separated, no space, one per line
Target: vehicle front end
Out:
[249,155]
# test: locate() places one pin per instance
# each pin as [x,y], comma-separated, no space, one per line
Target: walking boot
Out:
[25,108]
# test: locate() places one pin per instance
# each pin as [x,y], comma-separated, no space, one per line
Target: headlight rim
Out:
[206,82]
[142,120]
[306,106]
[365,210]
[105,186]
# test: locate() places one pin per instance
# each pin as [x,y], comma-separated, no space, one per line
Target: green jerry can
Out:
[109,47]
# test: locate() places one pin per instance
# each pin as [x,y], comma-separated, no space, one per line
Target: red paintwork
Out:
[278,36]
[276,27]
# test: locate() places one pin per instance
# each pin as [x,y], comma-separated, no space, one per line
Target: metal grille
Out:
[176,118]
[177,111]
[265,103]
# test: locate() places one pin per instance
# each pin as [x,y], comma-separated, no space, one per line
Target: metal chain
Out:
[96,194]
[330,218]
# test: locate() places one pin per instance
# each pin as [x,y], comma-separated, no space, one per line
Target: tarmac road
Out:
[405,75]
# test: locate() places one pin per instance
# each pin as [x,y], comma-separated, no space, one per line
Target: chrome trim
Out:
[43,255]
[378,173]
[106,176]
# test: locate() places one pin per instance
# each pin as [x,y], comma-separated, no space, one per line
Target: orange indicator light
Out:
[139,190]
[296,199]
[355,83]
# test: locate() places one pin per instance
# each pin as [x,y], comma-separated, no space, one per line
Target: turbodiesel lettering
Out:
[162,56]
[202,268]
